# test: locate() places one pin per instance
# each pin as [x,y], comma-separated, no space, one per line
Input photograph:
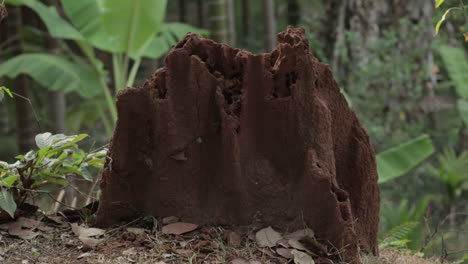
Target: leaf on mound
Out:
[301,257]
[178,228]
[267,237]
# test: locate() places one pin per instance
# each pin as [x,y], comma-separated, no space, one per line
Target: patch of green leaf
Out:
[397,161]
[7,203]
[58,158]
[4,90]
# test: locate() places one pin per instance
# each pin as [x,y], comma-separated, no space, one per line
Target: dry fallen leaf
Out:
[239,261]
[267,237]
[84,255]
[136,231]
[178,228]
[284,252]
[23,227]
[129,252]
[170,220]
[233,239]
[179,156]
[299,234]
[301,257]
[86,231]
[296,244]
[184,252]
[284,243]
[89,241]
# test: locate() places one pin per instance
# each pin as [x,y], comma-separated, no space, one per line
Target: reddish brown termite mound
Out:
[221,135]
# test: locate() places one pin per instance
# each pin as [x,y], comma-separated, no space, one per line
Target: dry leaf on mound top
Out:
[178,228]
[267,237]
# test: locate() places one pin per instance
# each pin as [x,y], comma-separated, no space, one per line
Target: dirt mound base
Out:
[221,135]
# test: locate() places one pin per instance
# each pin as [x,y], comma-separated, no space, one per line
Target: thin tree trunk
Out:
[217,20]
[26,125]
[270,24]
[230,11]
[183,11]
[294,13]
[201,13]
[56,99]
[245,19]
[57,106]
[4,116]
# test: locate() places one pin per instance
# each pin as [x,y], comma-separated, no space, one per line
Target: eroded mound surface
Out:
[223,136]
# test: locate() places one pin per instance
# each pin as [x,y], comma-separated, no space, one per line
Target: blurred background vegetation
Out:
[408,86]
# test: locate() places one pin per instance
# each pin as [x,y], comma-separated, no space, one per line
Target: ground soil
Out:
[57,243]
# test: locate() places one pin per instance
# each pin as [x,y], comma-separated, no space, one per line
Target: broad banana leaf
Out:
[54,72]
[463,109]
[168,36]
[397,161]
[86,16]
[57,26]
[131,24]
[457,67]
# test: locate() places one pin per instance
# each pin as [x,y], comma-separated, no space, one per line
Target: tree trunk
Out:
[270,24]
[293,13]
[183,11]
[245,20]
[217,20]
[231,22]
[56,99]
[201,13]
[367,19]
[26,125]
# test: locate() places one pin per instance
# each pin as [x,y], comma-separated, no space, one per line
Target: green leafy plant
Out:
[397,237]
[398,160]
[58,156]
[452,171]
[402,225]
[461,8]
[4,90]
[129,30]
[457,67]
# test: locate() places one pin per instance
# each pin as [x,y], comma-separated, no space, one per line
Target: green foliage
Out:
[452,171]
[132,24]
[399,160]
[57,26]
[457,68]
[4,90]
[439,3]
[444,16]
[54,72]
[58,156]
[397,236]
[169,35]
[7,202]
[402,225]
[127,29]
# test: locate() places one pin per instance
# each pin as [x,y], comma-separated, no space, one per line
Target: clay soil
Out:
[145,244]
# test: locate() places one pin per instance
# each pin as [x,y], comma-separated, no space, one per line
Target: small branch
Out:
[32,108]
